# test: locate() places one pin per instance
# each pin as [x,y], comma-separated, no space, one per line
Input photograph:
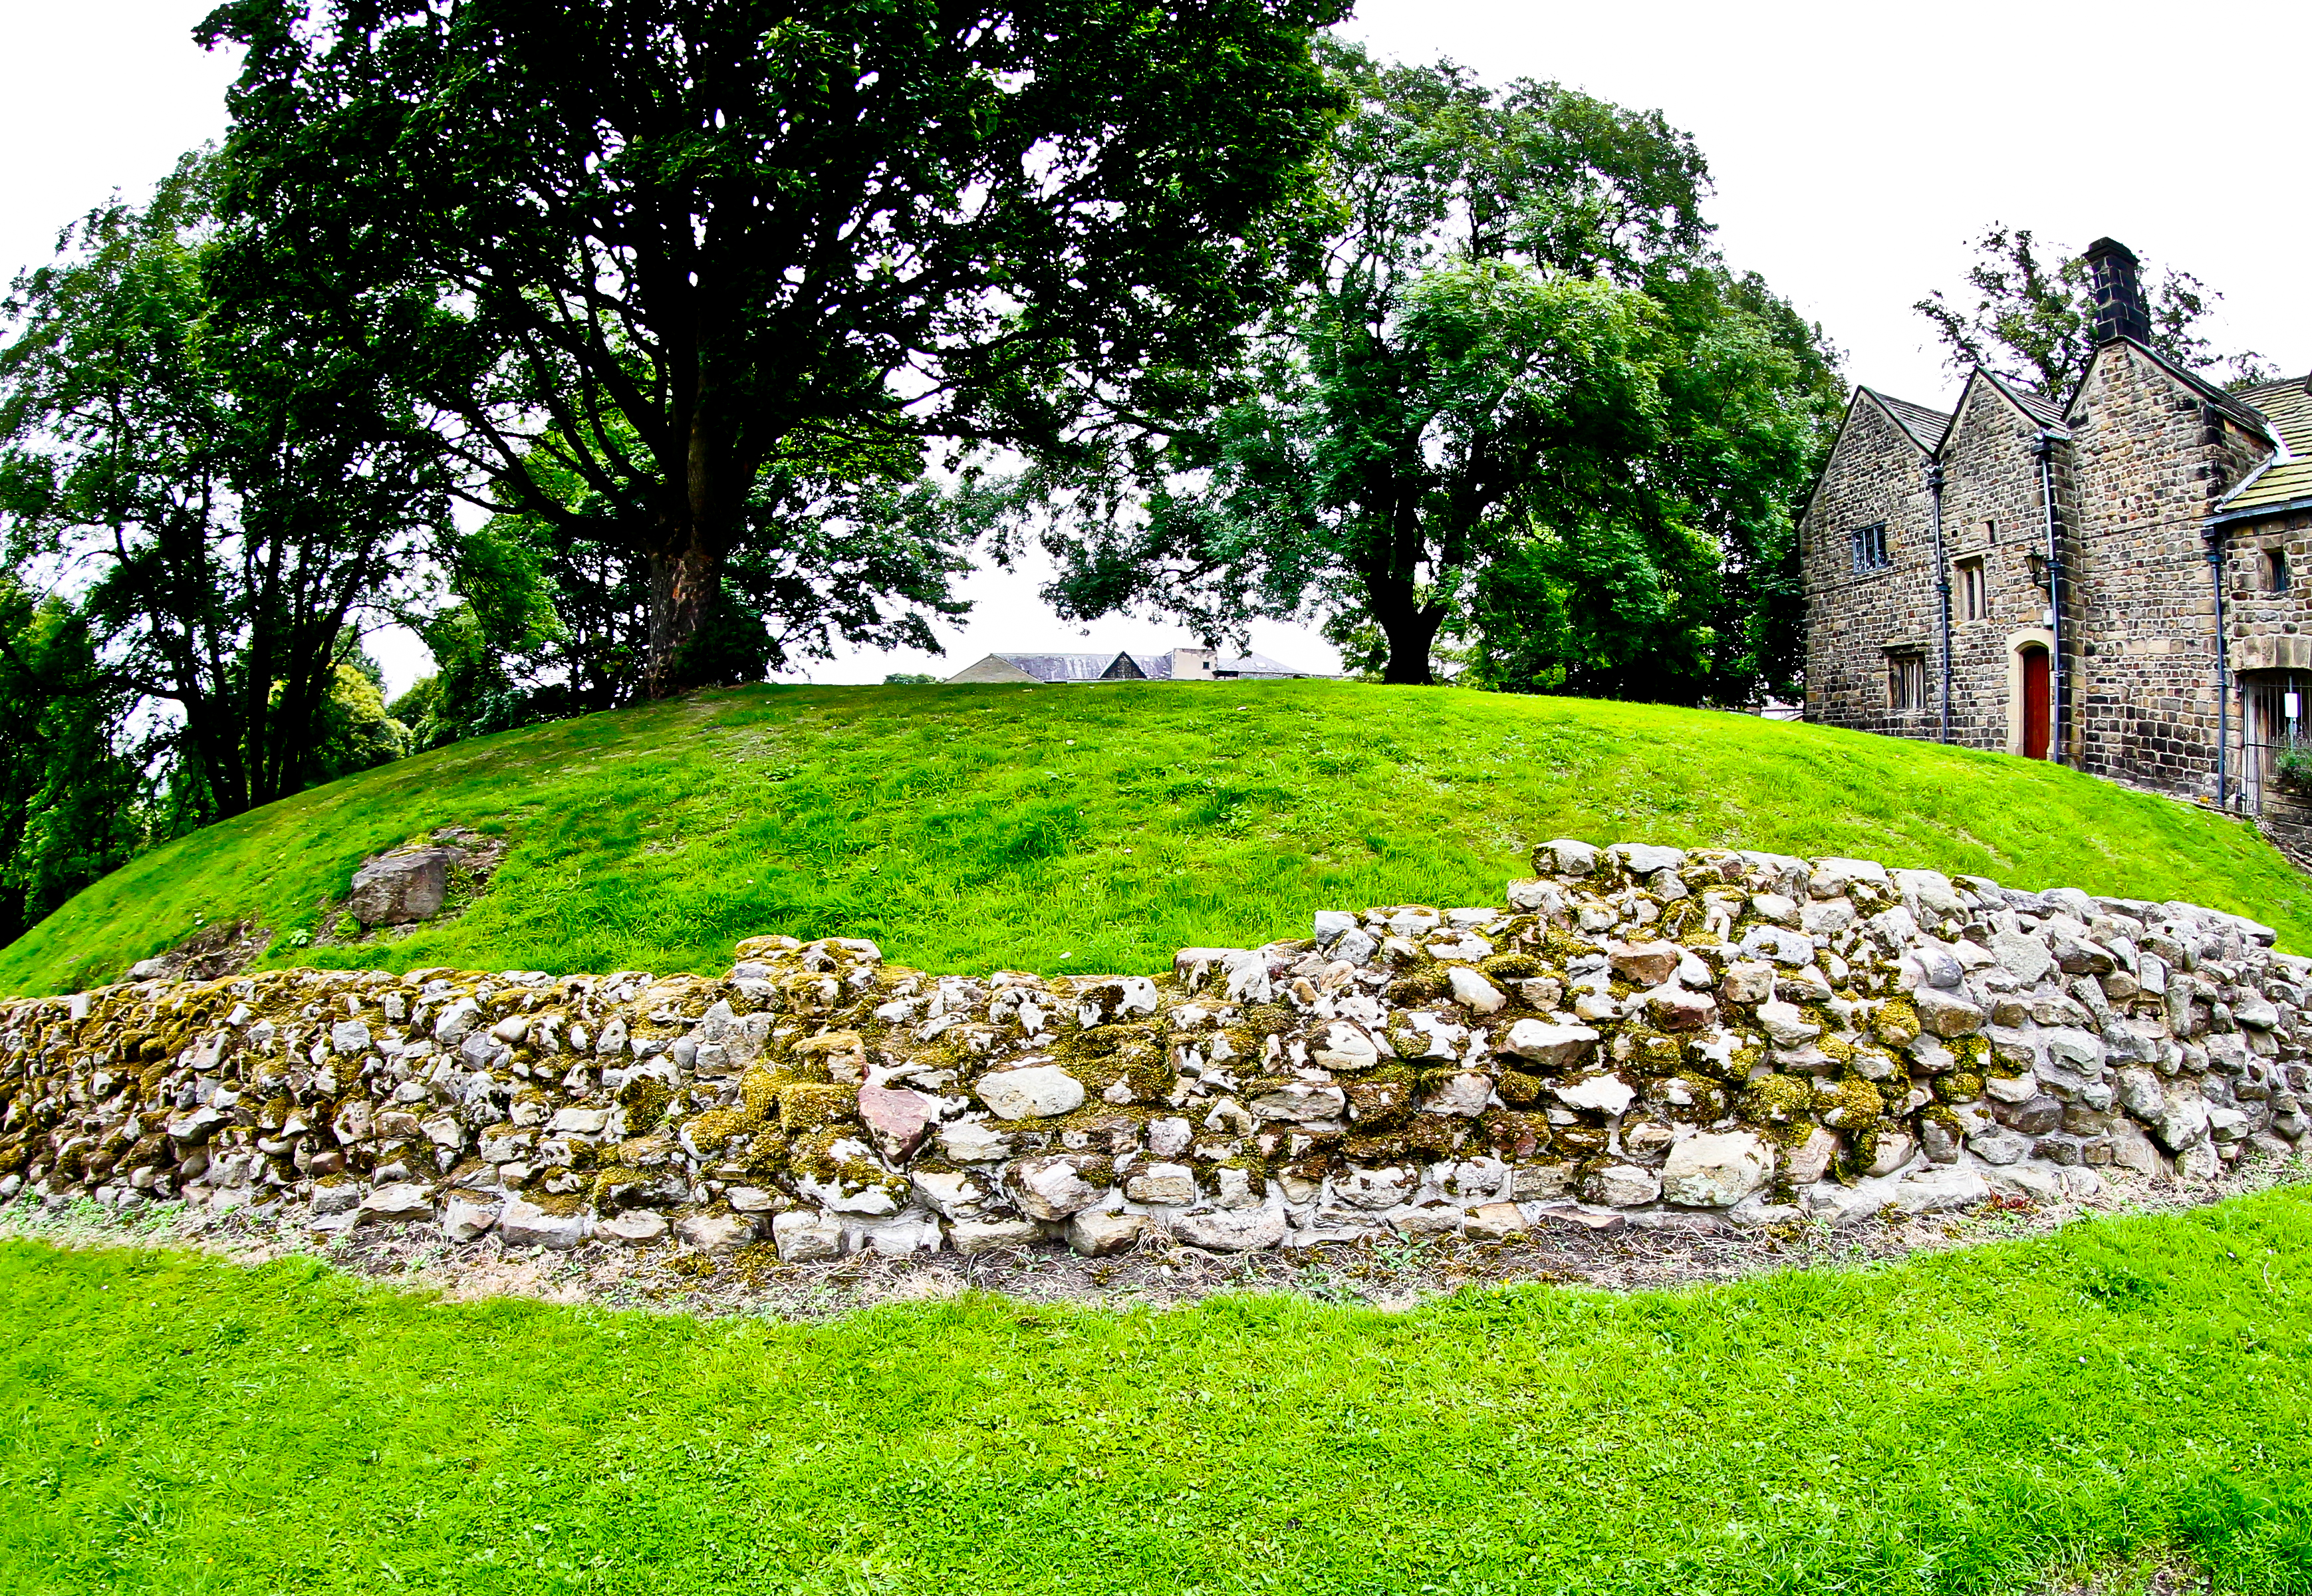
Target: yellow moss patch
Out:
[804,1108]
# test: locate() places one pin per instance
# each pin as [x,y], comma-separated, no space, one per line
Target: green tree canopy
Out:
[675,243]
[70,787]
[232,494]
[1519,402]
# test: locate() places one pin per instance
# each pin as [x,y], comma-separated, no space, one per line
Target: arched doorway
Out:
[2030,696]
[2037,701]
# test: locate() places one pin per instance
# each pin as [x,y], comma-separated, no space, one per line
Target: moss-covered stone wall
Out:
[1639,1034]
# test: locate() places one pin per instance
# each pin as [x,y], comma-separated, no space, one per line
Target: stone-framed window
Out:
[2274,566]
[1906,682]
[1868,546]
[1973,601]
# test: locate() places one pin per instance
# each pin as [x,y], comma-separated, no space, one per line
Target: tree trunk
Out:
[685,573]
[1410,626]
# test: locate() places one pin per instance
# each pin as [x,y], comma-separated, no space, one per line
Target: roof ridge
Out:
[1897,408]
[2032,402]
[2231,404]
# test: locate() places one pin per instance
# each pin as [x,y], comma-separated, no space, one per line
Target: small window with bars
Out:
[1869,547]
[2275,570]
[1906,682]
[1972,604]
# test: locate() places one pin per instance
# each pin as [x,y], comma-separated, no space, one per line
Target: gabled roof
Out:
[2033,403]
[2285,480]
[2229,404]
[2029,403]
[1924,426]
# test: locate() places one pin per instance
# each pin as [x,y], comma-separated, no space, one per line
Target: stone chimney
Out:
[2117,289]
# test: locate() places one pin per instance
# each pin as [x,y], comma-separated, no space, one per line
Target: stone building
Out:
[2122,583]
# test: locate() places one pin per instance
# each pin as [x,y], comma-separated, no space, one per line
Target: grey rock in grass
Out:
[402,887]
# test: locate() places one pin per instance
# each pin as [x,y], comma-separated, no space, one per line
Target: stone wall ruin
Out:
[1640,1035]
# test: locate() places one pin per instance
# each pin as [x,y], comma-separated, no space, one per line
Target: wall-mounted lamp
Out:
[2038,568]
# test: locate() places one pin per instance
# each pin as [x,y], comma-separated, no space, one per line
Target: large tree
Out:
[677,240]
[1517,356]
[2033,318]
[231,495]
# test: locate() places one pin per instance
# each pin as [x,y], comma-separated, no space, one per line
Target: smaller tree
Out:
[234,494]
[2033,319]
[71,790]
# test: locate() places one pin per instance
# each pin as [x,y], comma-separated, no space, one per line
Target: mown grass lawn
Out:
[1955,1423]
[1050,829]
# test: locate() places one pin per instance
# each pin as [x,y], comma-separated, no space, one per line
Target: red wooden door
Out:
[2035,703]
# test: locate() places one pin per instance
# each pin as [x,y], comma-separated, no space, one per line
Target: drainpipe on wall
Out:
[1942,587]
[2059,677]
[2214,536]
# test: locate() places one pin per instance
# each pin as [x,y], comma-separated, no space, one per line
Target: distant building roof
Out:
[1178,664]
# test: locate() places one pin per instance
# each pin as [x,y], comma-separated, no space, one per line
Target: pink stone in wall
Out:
[898,1118]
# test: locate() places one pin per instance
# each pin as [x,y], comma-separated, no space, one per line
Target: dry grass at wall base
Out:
[1390,1273]
[1061,828]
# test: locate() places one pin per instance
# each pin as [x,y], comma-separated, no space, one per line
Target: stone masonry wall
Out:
[1877,473]
[1992,513]
[1672,1038]
[2151,457]
[2272,647]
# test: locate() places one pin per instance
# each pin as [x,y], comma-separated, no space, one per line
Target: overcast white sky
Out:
[1855,149]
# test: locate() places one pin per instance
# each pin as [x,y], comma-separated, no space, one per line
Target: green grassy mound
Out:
[1072,827]
[1955,1423]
